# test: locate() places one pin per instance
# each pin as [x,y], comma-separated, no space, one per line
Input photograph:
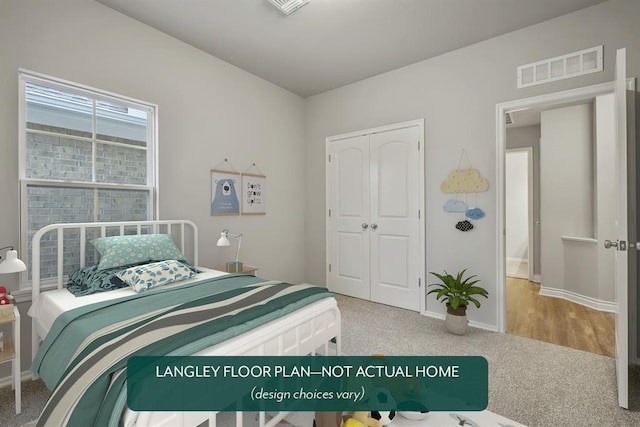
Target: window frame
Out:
[26,76]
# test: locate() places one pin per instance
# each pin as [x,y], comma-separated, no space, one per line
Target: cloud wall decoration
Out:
[464,225]
[464,181]
[455,206]
[474,213]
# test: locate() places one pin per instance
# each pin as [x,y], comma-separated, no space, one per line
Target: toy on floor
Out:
[380,397]
[385,417]
[361,419]
[335,419]
[414,415]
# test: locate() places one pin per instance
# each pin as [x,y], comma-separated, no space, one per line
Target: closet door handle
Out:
[365,225]
[374,226]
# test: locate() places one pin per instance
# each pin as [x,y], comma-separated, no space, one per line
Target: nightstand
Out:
[246,269]
[11,351]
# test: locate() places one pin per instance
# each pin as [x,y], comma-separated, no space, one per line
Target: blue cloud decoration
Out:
[474,213]
[455,206]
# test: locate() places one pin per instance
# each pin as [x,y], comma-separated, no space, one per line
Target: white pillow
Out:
[143,277]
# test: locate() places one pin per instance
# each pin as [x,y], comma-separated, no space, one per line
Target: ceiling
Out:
[331,43]
[533,116]
[525,117]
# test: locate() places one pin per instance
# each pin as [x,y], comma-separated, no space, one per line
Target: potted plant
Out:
[457,291]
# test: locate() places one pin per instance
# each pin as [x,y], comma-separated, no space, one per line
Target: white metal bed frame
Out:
[167,227]
[305,331]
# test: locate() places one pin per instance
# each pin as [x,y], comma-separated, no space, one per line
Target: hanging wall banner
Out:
[254,194]
[224,194]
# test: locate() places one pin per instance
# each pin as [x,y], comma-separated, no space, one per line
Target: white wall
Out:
[567,190]
[208,111]
[517,205]
[457,94]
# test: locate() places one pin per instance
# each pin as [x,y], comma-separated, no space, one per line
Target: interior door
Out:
[622,235]
[394,224]
[349,217]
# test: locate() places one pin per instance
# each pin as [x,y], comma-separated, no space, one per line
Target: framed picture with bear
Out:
[224,192]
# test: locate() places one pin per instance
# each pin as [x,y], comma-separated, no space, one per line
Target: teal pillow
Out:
[143,277]
[121,251]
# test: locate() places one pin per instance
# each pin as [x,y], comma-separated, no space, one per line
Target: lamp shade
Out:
[12,264]
[223,240]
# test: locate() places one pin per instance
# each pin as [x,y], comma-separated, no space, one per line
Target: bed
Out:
[292,320]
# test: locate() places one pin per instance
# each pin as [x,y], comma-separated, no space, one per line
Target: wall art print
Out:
[224,193]
[254,194]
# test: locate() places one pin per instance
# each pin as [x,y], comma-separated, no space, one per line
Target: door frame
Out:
[530,220]
[421,198]
[578,94]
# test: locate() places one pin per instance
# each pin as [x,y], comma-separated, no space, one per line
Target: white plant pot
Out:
[456,324]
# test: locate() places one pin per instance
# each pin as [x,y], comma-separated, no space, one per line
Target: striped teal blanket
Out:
[83,358]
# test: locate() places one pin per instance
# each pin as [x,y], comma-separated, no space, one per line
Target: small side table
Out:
[246,269]
[11,353]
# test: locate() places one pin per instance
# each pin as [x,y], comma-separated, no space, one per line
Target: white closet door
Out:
[349,220]
[394,223]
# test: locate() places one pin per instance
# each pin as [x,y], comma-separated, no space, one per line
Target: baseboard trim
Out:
[473,323]
[434,315]
[593,303]
[484,326]
[8,381]
[536,278]
[511,259]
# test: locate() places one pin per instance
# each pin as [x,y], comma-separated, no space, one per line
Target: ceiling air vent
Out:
[561,67]
[288,6]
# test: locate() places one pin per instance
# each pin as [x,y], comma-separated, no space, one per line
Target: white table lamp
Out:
[234,266]
[11,264]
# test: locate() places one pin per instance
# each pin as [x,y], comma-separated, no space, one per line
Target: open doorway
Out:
[552,262]
[519,198]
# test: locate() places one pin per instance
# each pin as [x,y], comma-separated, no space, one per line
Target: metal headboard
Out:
[180,227]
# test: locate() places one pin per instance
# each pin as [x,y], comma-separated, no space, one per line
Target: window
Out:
[85,155]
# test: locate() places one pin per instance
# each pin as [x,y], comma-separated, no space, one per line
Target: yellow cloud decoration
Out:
[464,181]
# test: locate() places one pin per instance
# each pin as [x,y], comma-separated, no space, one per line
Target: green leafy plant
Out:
[457,291]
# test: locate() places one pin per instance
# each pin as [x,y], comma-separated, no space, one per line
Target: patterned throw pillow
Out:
[147,276]
[89,280]
[122,251]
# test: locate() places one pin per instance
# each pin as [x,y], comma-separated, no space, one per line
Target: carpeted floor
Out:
[531,382]
[34,396]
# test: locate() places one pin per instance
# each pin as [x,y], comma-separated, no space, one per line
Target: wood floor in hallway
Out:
[557,321]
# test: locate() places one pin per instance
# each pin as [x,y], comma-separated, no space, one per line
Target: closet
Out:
[375,220]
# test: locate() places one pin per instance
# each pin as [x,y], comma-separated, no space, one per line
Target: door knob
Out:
[374,226]
[365,225]
[608,244]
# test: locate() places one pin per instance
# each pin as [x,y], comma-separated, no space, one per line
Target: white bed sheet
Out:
[51,304]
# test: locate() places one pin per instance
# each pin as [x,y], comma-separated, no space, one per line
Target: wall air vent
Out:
[561,67]
[288,6]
